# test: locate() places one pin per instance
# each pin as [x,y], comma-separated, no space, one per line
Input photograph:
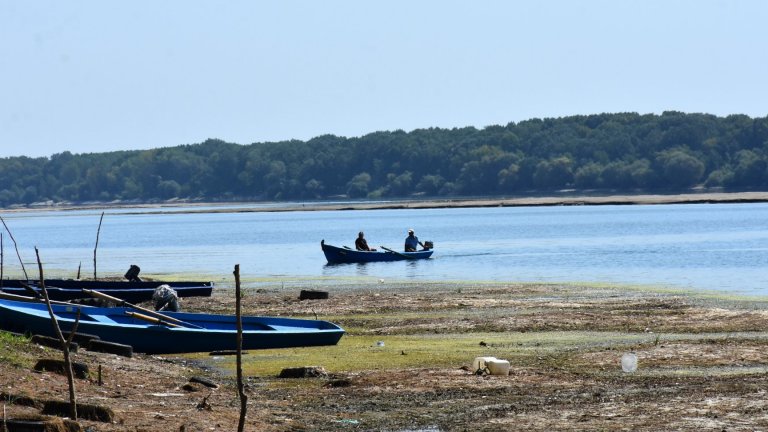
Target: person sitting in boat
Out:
[412,242]
[361,244]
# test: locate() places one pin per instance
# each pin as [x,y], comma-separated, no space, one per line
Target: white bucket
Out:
[481,363]
[498,367]
[629,362]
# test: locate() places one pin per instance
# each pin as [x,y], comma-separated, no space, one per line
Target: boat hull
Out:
[129,295]
[337,255]
[132,292]
[219,332]
[98,285]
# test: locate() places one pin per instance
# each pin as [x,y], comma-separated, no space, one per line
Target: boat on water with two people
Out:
[337,255]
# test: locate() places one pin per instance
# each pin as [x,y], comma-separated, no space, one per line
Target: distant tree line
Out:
[624,152]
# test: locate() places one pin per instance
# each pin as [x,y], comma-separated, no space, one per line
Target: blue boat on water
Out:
[179,333]
[336,255]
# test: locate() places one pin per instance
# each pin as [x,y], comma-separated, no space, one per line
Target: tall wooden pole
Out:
[2,259]
[97,245]
[65,343]
[240,385]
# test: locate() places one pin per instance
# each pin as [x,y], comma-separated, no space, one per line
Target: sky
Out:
[96,76]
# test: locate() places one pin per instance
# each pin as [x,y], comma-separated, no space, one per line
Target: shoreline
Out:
[270,206]
[700,362]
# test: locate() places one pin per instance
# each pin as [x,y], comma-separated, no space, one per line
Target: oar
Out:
[398,253]
[151,319]
[151,313]
[31,290]
[8,296]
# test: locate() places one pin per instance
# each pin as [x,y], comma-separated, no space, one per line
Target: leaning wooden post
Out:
[65,343]
[240,386]
[97,245]
[17,248]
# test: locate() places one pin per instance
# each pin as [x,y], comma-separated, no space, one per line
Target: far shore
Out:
[179,206]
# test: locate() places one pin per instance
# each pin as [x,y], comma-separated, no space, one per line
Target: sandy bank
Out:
[741,197]
[262,206]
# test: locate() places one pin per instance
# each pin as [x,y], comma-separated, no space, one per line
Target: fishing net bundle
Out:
[165,298]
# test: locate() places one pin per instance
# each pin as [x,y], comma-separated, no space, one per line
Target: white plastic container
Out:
[481,363]
[498,367]
[629,362]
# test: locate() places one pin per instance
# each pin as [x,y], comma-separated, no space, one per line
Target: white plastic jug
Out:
[481,363]
[629,362]
[498,367]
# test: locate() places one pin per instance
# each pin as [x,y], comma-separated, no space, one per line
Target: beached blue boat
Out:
[132,292]
[198,333]
[336,255]
[103,284]
[137,295]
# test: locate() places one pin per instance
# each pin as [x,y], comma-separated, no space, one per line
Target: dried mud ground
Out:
[702,363]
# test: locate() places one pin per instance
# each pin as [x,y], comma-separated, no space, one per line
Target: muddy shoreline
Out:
[703,363]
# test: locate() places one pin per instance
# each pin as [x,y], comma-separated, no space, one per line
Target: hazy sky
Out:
[92,76]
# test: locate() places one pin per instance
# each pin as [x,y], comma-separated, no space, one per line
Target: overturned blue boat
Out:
[336,255]
[178,333]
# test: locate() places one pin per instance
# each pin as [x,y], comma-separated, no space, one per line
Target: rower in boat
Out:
[361,244]
[412,242]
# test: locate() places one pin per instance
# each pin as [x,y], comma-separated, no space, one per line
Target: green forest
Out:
[591,154]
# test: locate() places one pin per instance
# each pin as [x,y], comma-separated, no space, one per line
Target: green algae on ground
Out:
[372,352]
[568,351]
[13,349]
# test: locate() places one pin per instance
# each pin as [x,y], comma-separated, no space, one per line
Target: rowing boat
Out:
[336,255]
[134,292]
[198,332]
[130,295]
[99,284]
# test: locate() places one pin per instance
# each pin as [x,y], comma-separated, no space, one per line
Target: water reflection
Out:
[362,269]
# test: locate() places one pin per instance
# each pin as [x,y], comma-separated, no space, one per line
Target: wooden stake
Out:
[17,248]
[65,343]
[97,245]
[240,385]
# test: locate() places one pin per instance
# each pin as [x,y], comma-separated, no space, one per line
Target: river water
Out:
[720,247]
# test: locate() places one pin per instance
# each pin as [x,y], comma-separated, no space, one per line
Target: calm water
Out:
[710,246]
